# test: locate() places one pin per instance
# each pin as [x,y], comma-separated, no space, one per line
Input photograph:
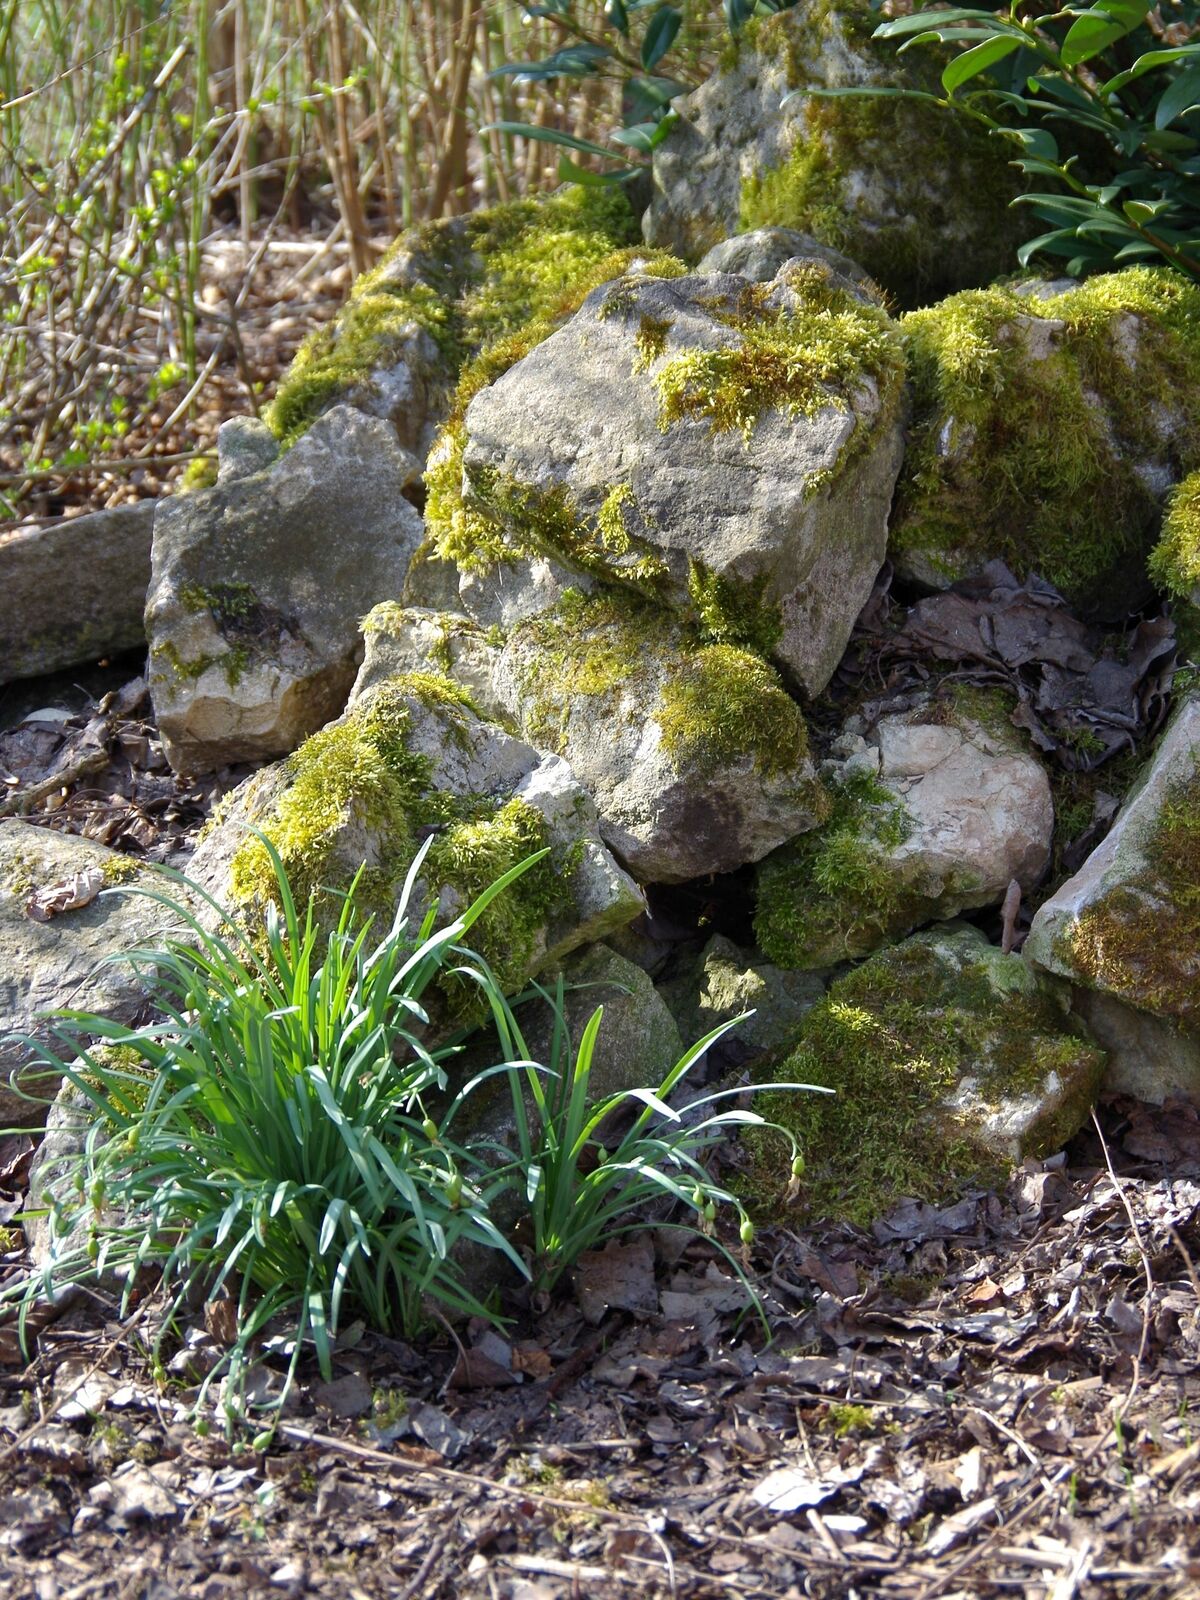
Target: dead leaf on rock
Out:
[72,894]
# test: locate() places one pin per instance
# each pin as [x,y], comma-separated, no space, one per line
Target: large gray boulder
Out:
[913,193]
[258,587]
[67,961]
[74,592]
[936,811]
[412,759]
[1126,927]
[695,755]
[725,448]
[760,254]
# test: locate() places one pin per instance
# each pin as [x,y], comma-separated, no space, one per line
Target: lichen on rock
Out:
[1047,426]
[949,1062]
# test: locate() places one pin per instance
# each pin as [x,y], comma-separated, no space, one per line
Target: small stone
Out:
[289,1575]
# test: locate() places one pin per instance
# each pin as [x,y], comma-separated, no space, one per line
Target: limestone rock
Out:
[728,981]
[64,962]
[760,254]
[909,191]
[416,639]
[75,591]
[725,448]
[695,755]
[258,588]
[950,1061]
[935,813]
[244,446]
[1127,925]
[409,761]
[1115,361]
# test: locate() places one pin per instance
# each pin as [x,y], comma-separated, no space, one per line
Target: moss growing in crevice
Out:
[833,893]
[1175,559]
[357,784]
[985,476]
[464,283]
[1141,941]
[898,1040]
[733,610]
[717,704]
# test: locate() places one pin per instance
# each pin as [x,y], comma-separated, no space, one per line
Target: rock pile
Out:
[560,543]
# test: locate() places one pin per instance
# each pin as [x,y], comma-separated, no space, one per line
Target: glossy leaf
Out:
[978,59]
[660,36]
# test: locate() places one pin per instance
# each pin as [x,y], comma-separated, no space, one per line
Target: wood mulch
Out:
[995,1398]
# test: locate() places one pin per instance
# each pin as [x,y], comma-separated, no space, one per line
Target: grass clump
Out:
[984,476]
[282,1138]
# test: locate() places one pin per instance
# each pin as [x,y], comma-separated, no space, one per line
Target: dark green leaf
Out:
[660,36]
[978,59]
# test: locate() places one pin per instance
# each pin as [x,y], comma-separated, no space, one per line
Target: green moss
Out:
[464,283]
[357,780]
[732,610]
[801,360]
[1175,559]
[1142,941]
[229,604]
[200,473]
[718,705]
[723,705]
[846,1420]
[920,160]
[833,893]
[651,340]
[895,1039]
[985,476]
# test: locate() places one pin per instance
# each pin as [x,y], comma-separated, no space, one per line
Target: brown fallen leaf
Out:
[72,894]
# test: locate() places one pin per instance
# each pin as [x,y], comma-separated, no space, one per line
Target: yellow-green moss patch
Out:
[1175,559]
[1025,447]
[1141,942]
[472,280]
[896,1039]
[357,785]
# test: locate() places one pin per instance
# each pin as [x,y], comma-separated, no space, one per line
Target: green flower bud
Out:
[797,1165]
[747,1231]
[430,1129]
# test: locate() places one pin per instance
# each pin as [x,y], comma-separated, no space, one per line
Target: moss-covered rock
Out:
[1047,425]
[916,195]
[399,639]
[1127,925]
[413,758]
[695,754]
[442,292]
[935,814]
[724,448]
[949,1062]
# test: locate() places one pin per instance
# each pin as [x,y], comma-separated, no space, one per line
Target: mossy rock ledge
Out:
[1049,422]
[258,586]
[1126,928]
[934,812]
[913,193]
[950,1060]
[412,758]
[724,449]
[443,291]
